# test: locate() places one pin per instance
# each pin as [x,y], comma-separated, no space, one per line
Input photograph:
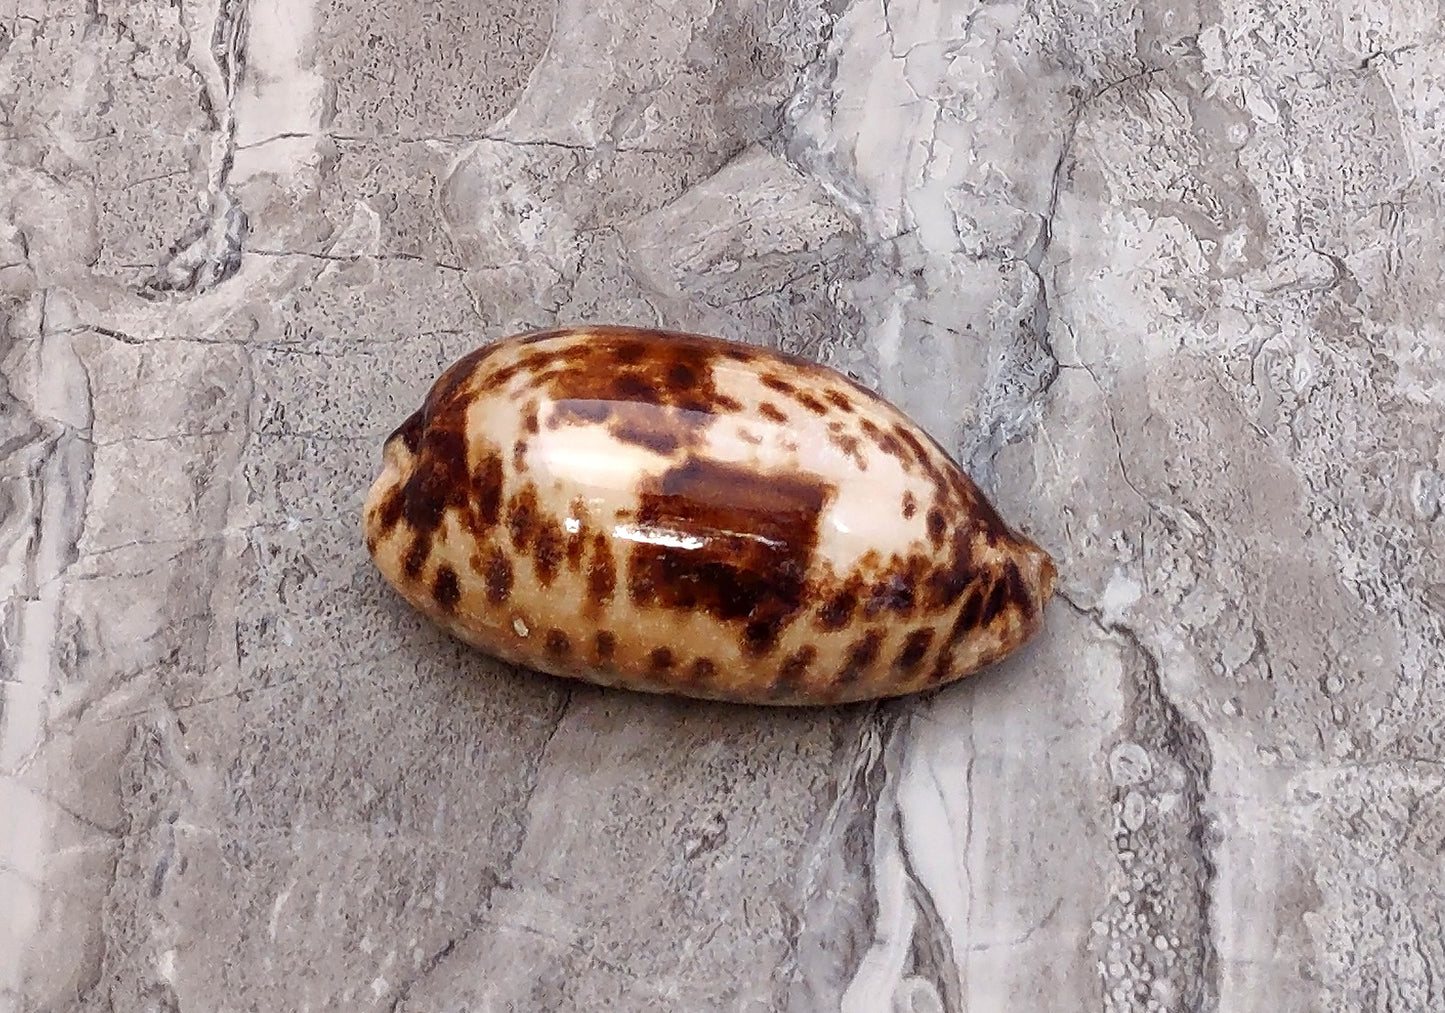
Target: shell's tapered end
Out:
[1038,572]
[1045,576]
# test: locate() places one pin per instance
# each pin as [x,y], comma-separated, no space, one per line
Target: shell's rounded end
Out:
[381,509]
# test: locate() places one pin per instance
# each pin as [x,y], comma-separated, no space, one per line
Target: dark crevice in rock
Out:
[1158,941]
[931,949]
[210,251]
[838,910]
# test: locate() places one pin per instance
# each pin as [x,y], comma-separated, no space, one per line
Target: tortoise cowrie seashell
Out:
[680,514]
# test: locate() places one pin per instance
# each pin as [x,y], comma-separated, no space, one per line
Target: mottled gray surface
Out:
[1166,276]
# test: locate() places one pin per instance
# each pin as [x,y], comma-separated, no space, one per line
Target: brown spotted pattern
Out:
[674,513]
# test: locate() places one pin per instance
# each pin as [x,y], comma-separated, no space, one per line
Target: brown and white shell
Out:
[680,514]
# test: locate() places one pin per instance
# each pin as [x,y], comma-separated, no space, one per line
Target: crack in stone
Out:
[148,770]
[1037,366]
[210,252]
[357,258]
[1023,936]
[1037,257]
[1039,253]
[785,286]
[835,872]
[486,922]
[1113,428]
[110,833]
[930,949]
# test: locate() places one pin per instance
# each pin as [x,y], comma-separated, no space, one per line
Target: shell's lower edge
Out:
[511,640]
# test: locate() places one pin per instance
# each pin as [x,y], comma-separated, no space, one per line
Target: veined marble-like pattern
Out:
[1166,277]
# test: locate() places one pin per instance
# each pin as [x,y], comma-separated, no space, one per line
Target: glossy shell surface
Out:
[674,513]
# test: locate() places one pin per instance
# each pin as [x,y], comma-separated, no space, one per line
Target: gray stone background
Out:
[1166,276]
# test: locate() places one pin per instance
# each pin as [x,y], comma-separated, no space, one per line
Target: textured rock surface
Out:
[1167,278]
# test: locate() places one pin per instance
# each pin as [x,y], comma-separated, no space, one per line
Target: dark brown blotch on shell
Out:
[994,606]
[446,589]
[947,582]
[657,394]
[936,527]
[757,532]
[496,571]
[440,478]
[547,552]
[793,672]
[861,655]
[970,615]
[523,518]
[894,593]
[601,571]
[388,511]
[576,540]
[660,430]
[810,402]
[1015,590]
[837,612]
[557,643]
[604,644]
[416,555]
[890,445]
[669,370]
[774,382]
[915,647]
[487,487]
[848,443]
[409,432]
[575,411]
[912,442]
